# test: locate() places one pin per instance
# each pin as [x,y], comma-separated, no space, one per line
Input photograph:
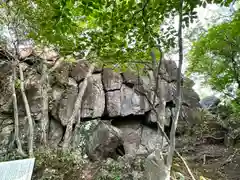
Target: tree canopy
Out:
[216,56]
[116,31]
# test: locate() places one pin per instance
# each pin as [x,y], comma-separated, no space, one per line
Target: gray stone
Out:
[139,139]
[24,128]
[171,69]
[189,96]
[67,102]
[131,102]
[56,95]
[210,102]
[131,135]
[55,133]
[167,90]
[33,93]
[111,80]
[131,79]
[148,92]
[61,73]
[188,83]
[187,119]
[151,140]
[104,141]
[113,103]
[93,103]
[155,168]
[80,71]
[6,130]
[153,117]
[6,94]
[83,134]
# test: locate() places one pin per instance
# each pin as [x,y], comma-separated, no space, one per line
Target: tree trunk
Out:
[28,112]
[179,95]
[159,90]
[16,120]
[155,167]
[77,106]
[44,94]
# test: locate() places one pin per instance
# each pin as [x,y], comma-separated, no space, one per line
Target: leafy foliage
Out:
[116,32]
[216,57]
[55,164]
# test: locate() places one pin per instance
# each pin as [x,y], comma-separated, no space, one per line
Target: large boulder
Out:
[108,94]
[189,96]
[6,94]
[167,90]
[55,134]
[93,103]
[111,80]
[113,103]
[210,102]
[62,73]
[6,130]
[55,99]
[131,130]
[83,134]
[67,102]
[33,92]
[131,79]
[139,139]
[151,140]
[188,118]
[80,71]
[152,116]
[104,142]
[171,69]
[155,166]
[131,102]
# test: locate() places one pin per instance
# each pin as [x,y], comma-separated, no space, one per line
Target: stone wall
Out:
[118,98]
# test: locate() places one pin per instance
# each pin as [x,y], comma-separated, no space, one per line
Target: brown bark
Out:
[44,94]
[28,112]
[15,107]
[77,108]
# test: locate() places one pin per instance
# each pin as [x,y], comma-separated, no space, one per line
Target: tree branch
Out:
[165,135]
[142,9]
[77,108]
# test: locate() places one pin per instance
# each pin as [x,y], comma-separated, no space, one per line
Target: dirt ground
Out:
[211,160]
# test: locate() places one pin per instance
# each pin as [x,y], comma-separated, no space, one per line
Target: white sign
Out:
[17,170]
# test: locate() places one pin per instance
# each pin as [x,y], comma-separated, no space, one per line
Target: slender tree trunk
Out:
[44,94]
[163,169]
[156,168]
[159,90]
[28,112]
[15,106]
[77,106]
[179,95]
[78,124]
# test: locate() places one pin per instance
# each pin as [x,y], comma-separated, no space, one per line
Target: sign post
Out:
[17,170]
